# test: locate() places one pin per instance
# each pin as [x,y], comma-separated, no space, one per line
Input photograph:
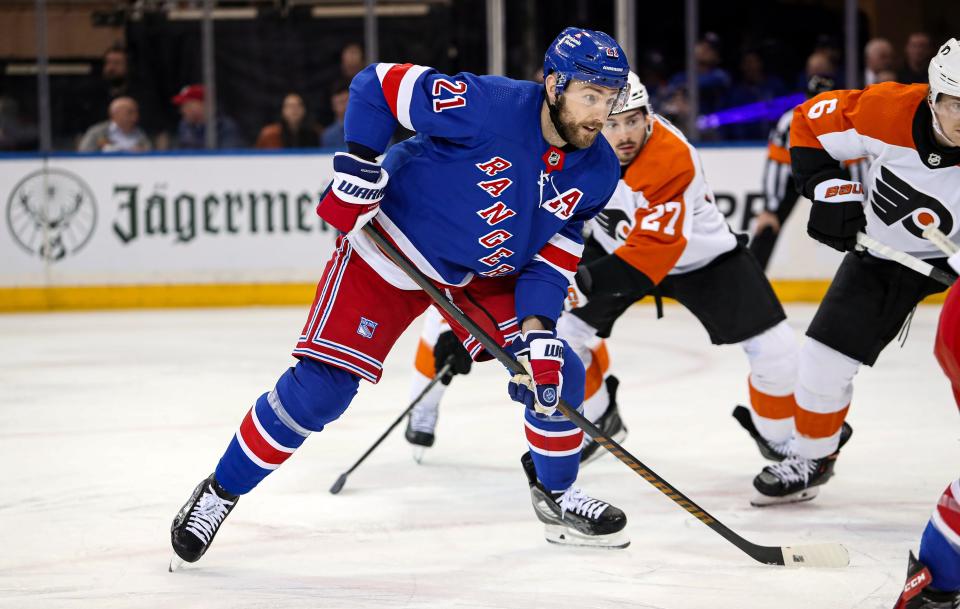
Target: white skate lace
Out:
[781,448]
[207,515]
[576,501]
[793,469]
[423,418]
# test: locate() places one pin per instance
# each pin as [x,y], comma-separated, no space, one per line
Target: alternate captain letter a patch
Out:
[366,327]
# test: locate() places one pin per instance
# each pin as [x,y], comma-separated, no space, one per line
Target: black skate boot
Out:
[197,522]
[917,593]
[609,423]
[420,428]
[776,451]
[573,518]
[792,480]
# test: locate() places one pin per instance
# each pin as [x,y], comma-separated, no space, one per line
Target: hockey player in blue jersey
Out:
[488,200]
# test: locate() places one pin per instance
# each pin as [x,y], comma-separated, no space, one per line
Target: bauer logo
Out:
[51,214]
[366,328]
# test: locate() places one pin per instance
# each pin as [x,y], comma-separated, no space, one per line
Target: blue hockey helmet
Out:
[590,56]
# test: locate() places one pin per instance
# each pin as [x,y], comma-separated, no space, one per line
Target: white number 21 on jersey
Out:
[652,220]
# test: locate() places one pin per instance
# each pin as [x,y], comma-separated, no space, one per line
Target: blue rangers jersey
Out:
[478,192]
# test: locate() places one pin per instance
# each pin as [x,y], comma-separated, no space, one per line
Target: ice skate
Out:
[420,428]
[776,451]
[197,522]
[917,593]
[792,480]
[609,423]
[574,518]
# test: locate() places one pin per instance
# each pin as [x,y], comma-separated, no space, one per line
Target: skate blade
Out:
[175,563]
[618,437]
[418,453]
[761,500]
[565,536]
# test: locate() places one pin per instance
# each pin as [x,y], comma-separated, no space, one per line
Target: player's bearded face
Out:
[627,133]
[579,113]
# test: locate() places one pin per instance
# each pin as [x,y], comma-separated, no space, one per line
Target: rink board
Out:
[95,231]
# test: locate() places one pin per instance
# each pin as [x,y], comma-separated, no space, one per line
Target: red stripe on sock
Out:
[554,443]
[258,444]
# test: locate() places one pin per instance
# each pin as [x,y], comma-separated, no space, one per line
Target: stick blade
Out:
[828,555]
[338,485]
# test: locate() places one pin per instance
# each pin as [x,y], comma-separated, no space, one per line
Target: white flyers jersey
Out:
[912,182]
[662,219]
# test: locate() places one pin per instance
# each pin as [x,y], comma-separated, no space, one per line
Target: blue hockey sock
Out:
[941,557]
[555,441]
[307,397]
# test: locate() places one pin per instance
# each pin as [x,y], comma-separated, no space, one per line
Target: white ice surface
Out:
[109,419]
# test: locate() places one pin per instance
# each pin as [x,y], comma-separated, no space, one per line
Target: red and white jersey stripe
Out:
[398,81]
[562,254]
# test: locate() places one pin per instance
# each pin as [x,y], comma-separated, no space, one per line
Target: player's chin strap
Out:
[814,555]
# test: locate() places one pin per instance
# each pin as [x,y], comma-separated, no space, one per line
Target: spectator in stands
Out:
[118,134]
[295,129]
[333,135]
[115,72]
[877,57]
[714,82]
[886,76]
[192,131]
[819,63]
[754,85]
[653,75]
[82,105]
[918,53]
[351,61]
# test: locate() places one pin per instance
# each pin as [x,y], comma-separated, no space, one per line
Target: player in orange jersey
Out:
[912,135]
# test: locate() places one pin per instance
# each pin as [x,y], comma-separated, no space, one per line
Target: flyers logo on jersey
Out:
[894,200]
[615,223]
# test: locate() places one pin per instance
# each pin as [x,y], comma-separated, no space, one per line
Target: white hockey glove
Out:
[354,196]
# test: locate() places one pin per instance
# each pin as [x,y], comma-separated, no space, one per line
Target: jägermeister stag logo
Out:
[51,213]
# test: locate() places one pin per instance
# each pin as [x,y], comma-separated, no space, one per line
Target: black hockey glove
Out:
[837,214]
[448,348]
[613,276]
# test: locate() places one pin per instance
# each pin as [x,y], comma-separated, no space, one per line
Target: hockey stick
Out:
[338,485]
[911,262]
[943,243]
[816,555]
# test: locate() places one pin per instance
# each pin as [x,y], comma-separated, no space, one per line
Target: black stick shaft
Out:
[433,381]
[765,554]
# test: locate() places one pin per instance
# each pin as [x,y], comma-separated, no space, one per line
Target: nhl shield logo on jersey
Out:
[895,200]
[553,158]
[366,327]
